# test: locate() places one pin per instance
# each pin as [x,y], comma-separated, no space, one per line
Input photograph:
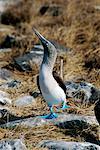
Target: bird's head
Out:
[50,51]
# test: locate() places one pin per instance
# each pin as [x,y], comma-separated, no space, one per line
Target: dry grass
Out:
[77,27]
[21,13]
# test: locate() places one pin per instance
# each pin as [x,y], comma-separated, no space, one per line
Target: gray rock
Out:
[72,123]
[5,74]
[62,145]
[4,98]
[35,94]
[63,121]
[35,56]
[11,84]
[97,7]
[29,122]
[60,48]
[53,10]
[4,4]
[9,42]
[3,94]
[82,92]
[22,63]
[7,116]
[24,101]
[5,50]
[3,112]
[9,144]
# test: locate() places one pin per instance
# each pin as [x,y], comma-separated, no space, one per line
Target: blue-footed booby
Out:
[53,93]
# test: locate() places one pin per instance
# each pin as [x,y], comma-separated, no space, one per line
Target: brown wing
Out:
[57,78]
[38,84]
[59,81]
[97,111]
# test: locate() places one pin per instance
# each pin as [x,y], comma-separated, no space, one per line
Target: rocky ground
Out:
[74,28]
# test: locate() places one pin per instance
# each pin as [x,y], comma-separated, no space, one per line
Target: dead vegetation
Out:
[77,26]
[15,14]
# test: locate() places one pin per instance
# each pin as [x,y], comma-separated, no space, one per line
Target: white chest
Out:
[50,89]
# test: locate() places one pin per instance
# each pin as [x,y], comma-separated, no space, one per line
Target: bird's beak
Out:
[41,38]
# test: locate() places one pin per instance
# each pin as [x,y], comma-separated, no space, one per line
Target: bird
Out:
[58,79]
[97,111]
[52,91]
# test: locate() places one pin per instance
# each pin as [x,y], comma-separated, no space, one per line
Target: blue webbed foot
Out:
[50,116]
[65,107]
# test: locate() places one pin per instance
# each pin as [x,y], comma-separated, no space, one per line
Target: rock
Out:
[4,4]
[53,10]
[9,42]
[4,98]
[97,7]
[79,125]
[21,12]
[72,123]
[35,56]
[95,95]
[24,101]
[11,84]
[3,112]
[28,122]
[43,9]
[66,120]
[7,116]
[82,92]
[7,2]
[9,144]
[62,145]
[35,94]
[63,121]
[5,74]
[22,63]
[3,94]
[1,7]
[5,50]
[60,48]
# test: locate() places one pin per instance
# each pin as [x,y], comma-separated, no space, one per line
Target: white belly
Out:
[51,91]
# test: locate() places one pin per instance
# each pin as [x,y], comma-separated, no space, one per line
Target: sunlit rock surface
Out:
[24,101]
[61,145]
[4,98]
[63,121]
[12,144]
[82,92]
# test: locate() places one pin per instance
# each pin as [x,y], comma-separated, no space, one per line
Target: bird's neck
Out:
[49,61]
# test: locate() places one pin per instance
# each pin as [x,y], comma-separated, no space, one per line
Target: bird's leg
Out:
[51,115]
[62,106]
[54,115]
[65,106]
